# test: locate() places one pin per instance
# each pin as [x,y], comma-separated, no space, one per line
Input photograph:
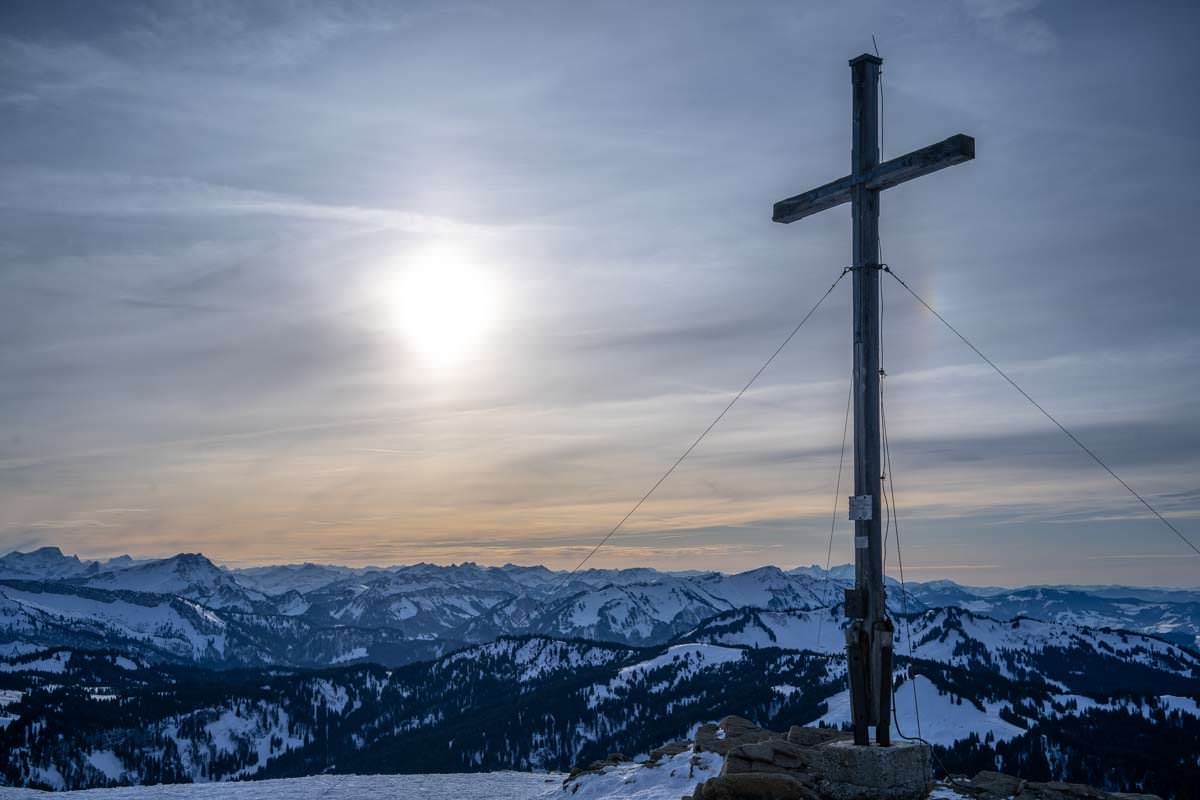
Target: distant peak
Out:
[48,553]
[189,562]
[768,570]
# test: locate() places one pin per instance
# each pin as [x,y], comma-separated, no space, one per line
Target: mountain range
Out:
[142,671]
[187,609]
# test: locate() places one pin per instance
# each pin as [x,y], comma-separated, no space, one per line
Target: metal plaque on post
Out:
[862,509]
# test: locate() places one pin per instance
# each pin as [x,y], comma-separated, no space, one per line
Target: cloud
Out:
[1014,23]
[245,36]
[64,524]
[124,195]
[205,205]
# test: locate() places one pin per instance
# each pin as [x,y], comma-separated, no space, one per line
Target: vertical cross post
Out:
[869,633]
[865,637]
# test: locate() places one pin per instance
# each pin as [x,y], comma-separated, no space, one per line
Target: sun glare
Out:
[446,307]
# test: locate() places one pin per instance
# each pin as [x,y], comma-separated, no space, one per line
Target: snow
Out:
[279,580]
[7,698]
[292,604]
[335,697]
[1186,705]
[55,663]
[947,793]
[353,655]
[1082,704]
[943,721]
[107,762]
[232,729]
[669,779]
[189,575]
[46,563]
[13,649]
[49,776]
[160,624]
[792,630]
[765,587]
[475,786]
[539,657]
[685,659]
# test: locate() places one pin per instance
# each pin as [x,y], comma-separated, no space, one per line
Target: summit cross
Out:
[869,634]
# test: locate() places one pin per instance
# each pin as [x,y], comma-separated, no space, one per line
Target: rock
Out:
[898,772]
[598,766]
[729,733]
[1055,790]
[670,749]
[769,755]
[989,785]
[997,784]
[811,737]
[707,741]
[735,727]
[755,786]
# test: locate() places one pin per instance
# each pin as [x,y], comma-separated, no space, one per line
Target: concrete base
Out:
[848,772]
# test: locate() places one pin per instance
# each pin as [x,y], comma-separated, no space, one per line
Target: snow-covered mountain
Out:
[293,614]
[45,563]
[1173,614]
[188,575]
[988,690]
[1018,649]
[204,673]
[174,629]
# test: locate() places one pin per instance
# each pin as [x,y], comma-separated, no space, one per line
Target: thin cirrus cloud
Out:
[208,210]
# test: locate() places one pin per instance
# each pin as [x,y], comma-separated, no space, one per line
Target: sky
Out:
[375,283]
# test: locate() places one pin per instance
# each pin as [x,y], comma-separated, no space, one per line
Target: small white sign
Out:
[862,507]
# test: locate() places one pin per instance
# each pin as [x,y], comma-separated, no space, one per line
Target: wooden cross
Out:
[869,635]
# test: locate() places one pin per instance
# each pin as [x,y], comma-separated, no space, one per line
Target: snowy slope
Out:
[535,659]
[166,627]
[765,587]
[1173,613]
[172,625]
[473,786]
[284,578]
[950,636]
[669,779]
[943,717]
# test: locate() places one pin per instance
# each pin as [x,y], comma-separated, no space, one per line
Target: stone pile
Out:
[823,764]
[998,786]
[807,764]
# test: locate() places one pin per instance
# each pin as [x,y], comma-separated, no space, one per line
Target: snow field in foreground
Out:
[471,786]
[670,779]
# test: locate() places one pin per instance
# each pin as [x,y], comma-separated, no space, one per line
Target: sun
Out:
[446,306]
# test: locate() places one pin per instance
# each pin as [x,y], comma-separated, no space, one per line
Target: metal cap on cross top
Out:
[869,634]
[866,57]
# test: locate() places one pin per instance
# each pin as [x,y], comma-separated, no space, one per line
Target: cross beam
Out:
[955,150]
[869,634]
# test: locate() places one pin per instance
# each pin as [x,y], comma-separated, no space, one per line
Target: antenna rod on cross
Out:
[869,634]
